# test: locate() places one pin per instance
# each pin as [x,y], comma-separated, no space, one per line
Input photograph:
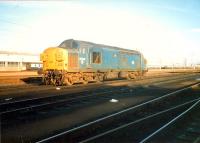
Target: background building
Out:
[13,61]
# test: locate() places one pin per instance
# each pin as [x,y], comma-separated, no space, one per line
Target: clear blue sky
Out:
[166,31]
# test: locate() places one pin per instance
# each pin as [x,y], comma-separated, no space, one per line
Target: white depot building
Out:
[13,61]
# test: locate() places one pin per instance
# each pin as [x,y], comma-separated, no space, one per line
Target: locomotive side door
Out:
[73,63]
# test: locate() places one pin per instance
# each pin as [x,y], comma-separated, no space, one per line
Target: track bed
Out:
[34,125]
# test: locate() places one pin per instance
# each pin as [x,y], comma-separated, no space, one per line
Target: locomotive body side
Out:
[111,58]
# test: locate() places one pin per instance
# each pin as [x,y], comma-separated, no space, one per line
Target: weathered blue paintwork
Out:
[112,58]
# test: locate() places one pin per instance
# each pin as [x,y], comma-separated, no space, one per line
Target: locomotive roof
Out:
[71,43]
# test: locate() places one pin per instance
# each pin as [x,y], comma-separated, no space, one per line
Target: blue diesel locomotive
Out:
[75,61]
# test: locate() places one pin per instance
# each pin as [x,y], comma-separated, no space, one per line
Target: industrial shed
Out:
[13,61]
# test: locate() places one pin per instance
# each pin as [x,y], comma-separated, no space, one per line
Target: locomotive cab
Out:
[54,58]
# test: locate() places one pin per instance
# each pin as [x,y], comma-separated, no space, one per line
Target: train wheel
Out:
[85,80]
[128,77]
[62,80]
[132,76]
[69,82]
[100,78]
[53,81]
[59,80]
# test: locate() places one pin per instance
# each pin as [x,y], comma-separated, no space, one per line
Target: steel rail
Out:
[170,122]
[31,107]
[138,121]
[115,114]
[30,99]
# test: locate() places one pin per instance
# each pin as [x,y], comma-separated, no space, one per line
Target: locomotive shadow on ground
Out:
[32,80]
[38,80]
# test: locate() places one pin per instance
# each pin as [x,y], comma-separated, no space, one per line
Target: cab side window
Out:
[96,57]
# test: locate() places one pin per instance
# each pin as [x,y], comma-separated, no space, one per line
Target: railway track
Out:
[150,132]
[191,134]
[9,103]
[12,91]
[132,116]
[12,108]
[29,105]
[33,109]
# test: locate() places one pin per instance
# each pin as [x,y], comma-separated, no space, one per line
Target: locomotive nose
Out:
[54,58]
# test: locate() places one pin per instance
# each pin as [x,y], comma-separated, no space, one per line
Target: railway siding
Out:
[48,117]
[183,130]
